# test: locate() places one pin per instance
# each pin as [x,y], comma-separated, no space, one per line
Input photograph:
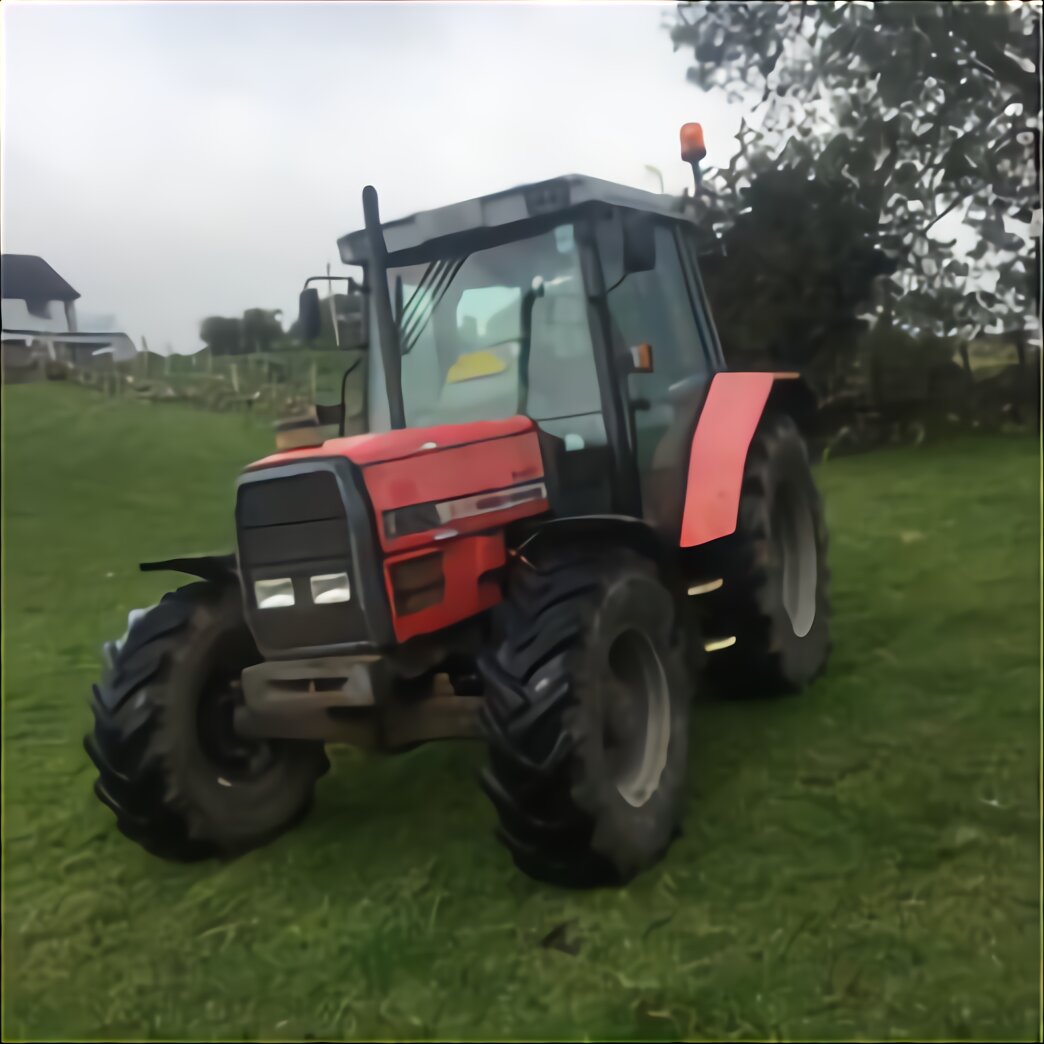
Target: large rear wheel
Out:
[764,591]
[587,715]
[171,767]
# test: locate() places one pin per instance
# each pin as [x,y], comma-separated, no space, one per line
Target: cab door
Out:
[661,308]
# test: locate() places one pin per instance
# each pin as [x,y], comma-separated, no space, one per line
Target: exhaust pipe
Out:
[386,327]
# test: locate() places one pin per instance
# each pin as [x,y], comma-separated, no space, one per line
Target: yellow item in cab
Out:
[473,365]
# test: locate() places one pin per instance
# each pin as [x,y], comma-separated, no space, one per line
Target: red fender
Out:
[730,416]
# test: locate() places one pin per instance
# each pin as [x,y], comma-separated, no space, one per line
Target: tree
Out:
[922,109]
[222,335]
[261,329]
[794,266]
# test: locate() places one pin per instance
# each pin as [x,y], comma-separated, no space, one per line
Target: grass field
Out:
[861,861]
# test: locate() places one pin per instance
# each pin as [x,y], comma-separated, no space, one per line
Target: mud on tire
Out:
[586,716]
[170,766]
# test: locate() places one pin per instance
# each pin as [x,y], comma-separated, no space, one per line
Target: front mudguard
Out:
[217,568]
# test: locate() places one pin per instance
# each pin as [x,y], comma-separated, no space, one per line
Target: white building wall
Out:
[16,316]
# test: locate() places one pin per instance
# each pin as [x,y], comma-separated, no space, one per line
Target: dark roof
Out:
[30,278]
[503,208]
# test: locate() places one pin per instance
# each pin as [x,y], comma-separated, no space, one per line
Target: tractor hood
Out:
[478,475]
[380,447]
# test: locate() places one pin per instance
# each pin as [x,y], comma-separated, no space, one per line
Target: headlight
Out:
[328,588]
[274,594]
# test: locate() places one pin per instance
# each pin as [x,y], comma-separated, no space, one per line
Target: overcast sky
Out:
[173,161]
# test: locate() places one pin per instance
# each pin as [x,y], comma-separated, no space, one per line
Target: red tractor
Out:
[563,512]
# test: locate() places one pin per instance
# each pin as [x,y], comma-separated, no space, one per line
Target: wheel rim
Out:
[234,758]
[794,533]
[637,722]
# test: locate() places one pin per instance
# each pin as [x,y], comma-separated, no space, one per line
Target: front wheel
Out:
[171,767]
[587,717]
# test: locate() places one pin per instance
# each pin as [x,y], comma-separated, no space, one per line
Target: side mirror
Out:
[308,318]
[348,317]
[639,243]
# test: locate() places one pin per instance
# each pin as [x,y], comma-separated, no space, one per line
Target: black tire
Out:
[590,639]
[170,766]
[775,600]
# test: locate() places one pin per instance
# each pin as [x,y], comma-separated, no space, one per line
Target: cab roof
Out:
[506,208]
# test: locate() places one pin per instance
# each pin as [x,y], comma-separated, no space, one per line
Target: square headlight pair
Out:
[327,589]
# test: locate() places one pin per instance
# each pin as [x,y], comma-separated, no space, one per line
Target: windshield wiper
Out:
[404,315]
[440,284]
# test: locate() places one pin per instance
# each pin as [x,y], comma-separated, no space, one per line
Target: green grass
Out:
[861,861]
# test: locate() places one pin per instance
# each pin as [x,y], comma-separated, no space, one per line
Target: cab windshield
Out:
[490,334]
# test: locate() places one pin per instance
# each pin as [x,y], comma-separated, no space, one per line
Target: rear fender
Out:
[735,404]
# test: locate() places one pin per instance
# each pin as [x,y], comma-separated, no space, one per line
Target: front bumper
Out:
[319,698]
[347,699]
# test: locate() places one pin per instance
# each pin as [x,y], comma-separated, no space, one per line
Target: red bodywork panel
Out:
[730,416]
[377,447]
[468,565]
[457,472]
[426,465]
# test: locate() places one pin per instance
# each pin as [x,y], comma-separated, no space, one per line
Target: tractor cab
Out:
[574,302]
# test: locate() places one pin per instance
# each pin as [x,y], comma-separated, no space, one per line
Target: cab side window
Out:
[655,307]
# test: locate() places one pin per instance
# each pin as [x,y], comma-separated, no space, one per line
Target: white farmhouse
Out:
[39,321]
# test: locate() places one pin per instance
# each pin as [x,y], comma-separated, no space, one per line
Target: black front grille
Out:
[295,518]
[305,497]
[298,526]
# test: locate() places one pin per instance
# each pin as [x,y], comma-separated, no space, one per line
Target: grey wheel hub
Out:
[794,533]
[637,728]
